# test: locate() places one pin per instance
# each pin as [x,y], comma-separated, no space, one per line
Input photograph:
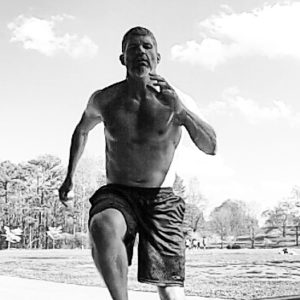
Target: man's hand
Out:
[167,96]
[65,191]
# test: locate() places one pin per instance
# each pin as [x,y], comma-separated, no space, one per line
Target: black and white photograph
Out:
[150,149]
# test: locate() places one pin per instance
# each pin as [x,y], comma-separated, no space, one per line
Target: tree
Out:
[252,225]
[279,216]
[44,176]
[194,195]
[193,219]
[296,195]
[229,219]
[178,186]
[10,180]
[89,175]
[9,177]
[219,222]
[193,216]
[28,224]
[29,200]
[295,198]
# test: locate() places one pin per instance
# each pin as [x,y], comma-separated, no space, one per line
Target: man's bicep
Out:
[87,122]
[91,116]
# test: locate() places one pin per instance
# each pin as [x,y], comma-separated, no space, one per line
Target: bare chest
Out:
[138,120]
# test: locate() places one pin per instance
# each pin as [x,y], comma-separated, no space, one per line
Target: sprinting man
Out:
[143,118]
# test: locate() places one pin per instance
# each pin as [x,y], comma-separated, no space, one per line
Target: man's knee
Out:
[171,293]
[107,225]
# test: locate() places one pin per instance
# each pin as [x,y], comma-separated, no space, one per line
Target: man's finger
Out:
[153,89]
[63,202]
[63,198]
[156,76]
[163,85]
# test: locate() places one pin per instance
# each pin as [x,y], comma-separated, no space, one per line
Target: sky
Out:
[238,60]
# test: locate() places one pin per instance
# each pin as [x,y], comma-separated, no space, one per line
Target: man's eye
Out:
[148,46]
[132,46]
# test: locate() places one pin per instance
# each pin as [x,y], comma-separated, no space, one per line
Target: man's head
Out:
[137,31]
[139,52]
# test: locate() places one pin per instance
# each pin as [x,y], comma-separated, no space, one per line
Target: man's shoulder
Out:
[110,92]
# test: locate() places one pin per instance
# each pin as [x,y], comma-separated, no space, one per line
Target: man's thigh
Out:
[112,210]
[108,223]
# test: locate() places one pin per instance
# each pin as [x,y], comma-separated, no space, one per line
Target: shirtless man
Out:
[142,118]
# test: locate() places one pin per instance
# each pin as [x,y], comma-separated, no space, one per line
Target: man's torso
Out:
[140,139]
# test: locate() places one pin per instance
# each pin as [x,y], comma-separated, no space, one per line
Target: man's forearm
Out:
[202,134]
[78,143]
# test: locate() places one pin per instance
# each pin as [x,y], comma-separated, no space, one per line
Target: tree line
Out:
[30,208]
[29,201]
[233,219]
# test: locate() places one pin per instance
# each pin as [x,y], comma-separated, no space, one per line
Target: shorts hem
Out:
[161,282]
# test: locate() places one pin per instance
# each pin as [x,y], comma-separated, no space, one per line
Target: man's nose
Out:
[141,49]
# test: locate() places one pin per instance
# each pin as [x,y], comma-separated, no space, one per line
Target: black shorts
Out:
[157,215]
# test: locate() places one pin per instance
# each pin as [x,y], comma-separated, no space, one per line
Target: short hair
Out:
[137,31]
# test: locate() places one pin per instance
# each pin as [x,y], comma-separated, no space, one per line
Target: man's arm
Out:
[201,133]
[184,113]
[90,118]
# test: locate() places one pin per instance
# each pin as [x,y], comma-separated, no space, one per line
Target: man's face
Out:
[140,56]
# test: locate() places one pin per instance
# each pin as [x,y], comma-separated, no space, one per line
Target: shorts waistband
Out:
[141,189]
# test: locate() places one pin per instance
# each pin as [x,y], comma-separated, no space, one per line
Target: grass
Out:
[230,274]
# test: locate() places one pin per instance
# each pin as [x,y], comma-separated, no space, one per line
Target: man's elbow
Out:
[213,150]
[211,147]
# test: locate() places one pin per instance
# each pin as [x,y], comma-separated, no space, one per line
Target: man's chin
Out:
[141,72]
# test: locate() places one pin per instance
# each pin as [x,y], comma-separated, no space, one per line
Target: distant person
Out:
[204,243]
[195,244]
[143,118]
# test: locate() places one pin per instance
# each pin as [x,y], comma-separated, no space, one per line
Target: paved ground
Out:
[14,288]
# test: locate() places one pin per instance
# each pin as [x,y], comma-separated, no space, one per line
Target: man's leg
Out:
[107,230]
[171,292]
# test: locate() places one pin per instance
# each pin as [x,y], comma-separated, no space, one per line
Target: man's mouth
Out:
[142,62]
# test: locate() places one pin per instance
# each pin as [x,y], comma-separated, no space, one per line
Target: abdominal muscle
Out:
[140,166]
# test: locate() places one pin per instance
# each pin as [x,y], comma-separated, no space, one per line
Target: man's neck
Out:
[137,85]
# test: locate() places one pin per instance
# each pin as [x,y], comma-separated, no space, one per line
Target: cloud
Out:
[40,35]
[233,103]
[270,31]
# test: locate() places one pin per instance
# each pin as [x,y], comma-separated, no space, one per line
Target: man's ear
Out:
[121,57]
[158,58]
